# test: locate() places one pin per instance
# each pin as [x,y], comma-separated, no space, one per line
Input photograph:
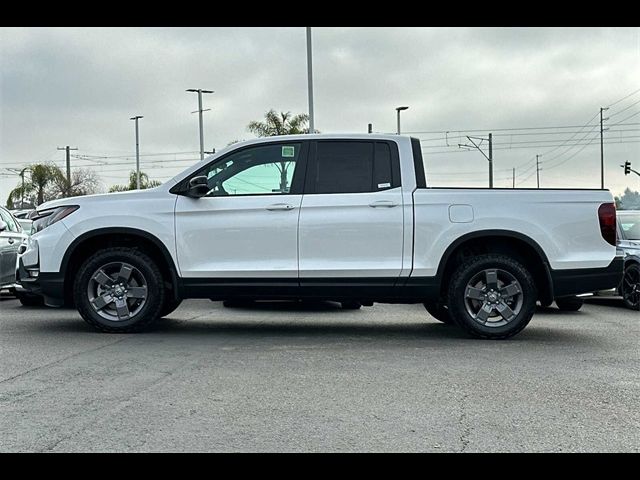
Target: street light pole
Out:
[399,109]
[136,118]
[310,82]
[199,111]
[490,160]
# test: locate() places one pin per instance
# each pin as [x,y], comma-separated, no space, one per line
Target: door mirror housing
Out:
[3,225]
[198,187]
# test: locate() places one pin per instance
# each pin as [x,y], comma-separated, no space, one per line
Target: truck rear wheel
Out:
[492,296]
[440,312]
[119,290]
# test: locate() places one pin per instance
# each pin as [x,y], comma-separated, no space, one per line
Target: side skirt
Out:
[382,290]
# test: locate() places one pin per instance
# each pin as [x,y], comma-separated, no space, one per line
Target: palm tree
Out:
[43,178]
[133,184]
[280,124]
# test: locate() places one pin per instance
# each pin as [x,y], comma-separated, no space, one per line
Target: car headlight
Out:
[47,217]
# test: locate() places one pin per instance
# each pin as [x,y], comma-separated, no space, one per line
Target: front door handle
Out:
[383,203]
[280,206]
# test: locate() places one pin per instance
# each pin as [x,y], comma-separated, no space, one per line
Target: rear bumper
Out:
[48,285]
[587,280]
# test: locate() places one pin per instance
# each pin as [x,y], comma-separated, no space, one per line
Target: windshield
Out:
[630,224]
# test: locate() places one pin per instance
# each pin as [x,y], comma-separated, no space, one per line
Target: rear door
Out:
[351,217]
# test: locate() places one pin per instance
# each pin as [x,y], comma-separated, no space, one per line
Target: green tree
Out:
[280,124]
[83,182]
[132,185]
[629,200]
[40,187]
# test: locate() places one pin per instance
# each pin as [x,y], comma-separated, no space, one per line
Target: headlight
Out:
[47,217]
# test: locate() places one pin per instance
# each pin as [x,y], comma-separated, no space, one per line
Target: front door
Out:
[247,226]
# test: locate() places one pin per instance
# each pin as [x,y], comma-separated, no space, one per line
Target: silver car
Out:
[12,238]
[629,243]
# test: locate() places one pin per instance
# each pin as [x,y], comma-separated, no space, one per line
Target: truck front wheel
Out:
[119,290]
[492,296]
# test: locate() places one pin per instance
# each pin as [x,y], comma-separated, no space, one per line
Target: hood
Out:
[85,199]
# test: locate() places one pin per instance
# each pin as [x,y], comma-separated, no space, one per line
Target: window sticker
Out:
[288,152]
[384,185]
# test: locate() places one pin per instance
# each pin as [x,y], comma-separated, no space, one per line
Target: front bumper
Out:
[586,280]
[49,285]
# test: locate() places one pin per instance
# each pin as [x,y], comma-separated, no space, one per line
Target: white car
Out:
[349,218]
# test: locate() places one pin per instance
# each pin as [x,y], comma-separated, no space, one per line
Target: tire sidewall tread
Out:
[155,287]
[458,284]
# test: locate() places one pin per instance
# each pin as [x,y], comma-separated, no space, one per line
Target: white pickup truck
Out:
[347,218]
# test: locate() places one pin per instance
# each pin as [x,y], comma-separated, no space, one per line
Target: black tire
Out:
[351,305]
[440,312]
[569,304]
[170,304]
[145,268]
[630,287]
[521,305]
[237,303]
[30,300]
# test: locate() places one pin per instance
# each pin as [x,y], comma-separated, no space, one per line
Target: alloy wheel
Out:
[493,297]
[117,291]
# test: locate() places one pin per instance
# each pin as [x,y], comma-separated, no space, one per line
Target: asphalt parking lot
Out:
[285,377]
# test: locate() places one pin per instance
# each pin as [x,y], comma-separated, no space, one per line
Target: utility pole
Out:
[68,155]
[477,147]
[514,177]
[22,197]
[136,118]
[602,147]
[199,111]
[21,174]
[538,170]
[312,128]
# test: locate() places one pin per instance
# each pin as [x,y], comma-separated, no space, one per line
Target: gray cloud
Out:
[80,86]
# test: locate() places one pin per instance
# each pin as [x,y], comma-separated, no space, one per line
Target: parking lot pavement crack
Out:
[123,403]
[60,360]
[463,424]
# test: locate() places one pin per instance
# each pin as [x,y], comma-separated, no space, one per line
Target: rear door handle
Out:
[383,203]
[280,206]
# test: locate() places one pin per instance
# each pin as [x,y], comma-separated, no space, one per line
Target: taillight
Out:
[607,219]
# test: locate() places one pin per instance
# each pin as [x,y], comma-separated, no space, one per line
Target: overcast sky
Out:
[79,86]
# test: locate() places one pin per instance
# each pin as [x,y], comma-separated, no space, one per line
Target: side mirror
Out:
[3,225]
[198,187]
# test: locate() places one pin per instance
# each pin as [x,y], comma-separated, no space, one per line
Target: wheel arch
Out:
[80,248]
[522,246]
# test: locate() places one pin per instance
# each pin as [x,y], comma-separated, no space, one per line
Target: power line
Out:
[525,148]
[638,112]
[624,109]
[623,98]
